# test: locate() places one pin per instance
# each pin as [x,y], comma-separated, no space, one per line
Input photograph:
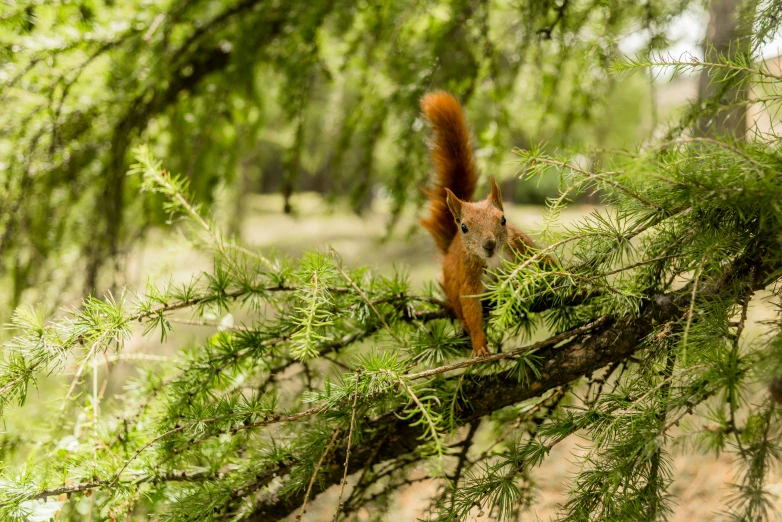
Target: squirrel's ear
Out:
[495,197]
[454,204]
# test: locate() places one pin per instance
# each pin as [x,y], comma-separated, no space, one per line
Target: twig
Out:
[141,450]
[509,355]
[601,176]
[270,419]
[424,412]
[696,62]
[520,467]
[315,474]
[95,402]
[550,403]
[175,476]
[159,176]
[178,305]
[20,378]
[686,334]
[212,324]
[365,298]
[347,451]
[688,410]
[466,445]
[367,466]
[735,348]
[390,487]
[137,357]
[76,378]
[712,141]
[634,265]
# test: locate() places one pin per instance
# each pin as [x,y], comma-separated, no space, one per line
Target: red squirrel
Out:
[473,237]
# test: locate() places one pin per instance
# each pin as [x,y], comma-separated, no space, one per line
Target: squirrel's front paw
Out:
[480,351]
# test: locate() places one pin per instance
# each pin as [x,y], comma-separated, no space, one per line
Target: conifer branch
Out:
[694,62]
[271,418]
[582,355]
[175,476]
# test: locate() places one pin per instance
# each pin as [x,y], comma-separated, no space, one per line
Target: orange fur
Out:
[452,158]
[466,255]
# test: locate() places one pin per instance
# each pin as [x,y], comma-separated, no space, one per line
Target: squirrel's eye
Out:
[464,228]
[503,221]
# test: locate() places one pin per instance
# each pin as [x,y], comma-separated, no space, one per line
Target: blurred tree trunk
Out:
[728,36]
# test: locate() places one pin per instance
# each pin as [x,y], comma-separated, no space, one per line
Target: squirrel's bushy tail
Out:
[452,158]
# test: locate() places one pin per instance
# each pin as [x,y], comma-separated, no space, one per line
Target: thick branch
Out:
[611,342]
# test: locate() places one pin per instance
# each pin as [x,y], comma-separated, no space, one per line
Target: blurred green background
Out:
[268,97]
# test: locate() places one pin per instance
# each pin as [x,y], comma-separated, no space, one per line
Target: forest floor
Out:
[700,482]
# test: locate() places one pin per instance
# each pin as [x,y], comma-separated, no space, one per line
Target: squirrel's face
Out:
[481,224]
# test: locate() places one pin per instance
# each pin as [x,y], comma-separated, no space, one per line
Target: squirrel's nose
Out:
[489,245]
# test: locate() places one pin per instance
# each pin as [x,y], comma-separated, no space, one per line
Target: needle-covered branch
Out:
[606,343]
[307,371]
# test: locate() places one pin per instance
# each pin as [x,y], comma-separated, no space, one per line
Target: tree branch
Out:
[391,436]
[614,340]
